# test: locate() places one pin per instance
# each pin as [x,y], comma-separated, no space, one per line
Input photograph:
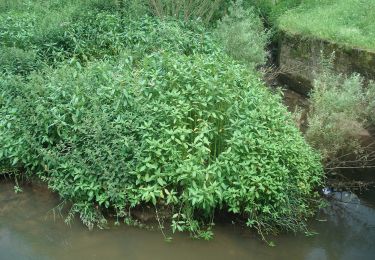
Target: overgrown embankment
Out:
[339,119]
[317,28]
[299,59]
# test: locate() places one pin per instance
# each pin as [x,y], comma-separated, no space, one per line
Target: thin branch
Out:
[352,167]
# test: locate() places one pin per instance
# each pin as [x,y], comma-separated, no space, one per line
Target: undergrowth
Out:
[114,112]
[341,108]
[243,36]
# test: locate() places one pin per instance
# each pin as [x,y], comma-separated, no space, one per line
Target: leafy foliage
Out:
[125,112]
[243,35]
[99,34]
[192,132]
[18,61]
[186,9]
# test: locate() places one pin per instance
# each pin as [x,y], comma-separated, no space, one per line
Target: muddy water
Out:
[28,230]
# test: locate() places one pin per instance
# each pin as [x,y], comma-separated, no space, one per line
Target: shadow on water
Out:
[28,230]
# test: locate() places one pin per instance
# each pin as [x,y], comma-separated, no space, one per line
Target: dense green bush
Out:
[194,133]
[186,9]
[18,61]
[91,35]
[125,112]
[109,34]
[243,36]
[348,23]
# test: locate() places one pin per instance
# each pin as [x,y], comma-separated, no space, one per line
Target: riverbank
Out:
[332,37]
[307,31]
[116,111]
[300,58]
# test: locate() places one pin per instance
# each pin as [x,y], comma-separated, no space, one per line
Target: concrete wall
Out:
[298,57]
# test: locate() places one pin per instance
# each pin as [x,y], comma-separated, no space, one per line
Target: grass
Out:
[346,22]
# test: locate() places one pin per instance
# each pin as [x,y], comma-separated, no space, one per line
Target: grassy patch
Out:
[341,21]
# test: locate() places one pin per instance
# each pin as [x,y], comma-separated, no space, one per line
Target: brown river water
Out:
[28,230]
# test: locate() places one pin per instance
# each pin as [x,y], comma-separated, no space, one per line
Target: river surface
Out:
[29,230]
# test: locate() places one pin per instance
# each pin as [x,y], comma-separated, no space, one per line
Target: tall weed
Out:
[243,36]
[186,9]
[341,108]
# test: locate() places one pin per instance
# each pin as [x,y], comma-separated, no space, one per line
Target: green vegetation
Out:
[342,21]
[115,111]
[186,9]
[242,35]
[341,108]
[271,10]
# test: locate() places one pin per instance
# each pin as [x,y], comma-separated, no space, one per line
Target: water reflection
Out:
[27,231]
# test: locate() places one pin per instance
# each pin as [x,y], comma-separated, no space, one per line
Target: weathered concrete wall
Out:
[298,57]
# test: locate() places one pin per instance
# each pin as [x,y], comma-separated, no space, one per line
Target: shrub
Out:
[193,133]
[186,9]
[15,60]
[158,115]
[243,35]
[99,34]
[109,34]
[42,29]
[340,109]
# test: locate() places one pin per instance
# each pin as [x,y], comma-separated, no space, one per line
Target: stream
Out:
[30,230]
